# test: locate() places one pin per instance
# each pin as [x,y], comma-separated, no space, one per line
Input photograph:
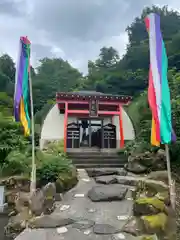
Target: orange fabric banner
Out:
[154,141]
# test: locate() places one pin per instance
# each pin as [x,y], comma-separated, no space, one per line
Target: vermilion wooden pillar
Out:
[65,126]
[121,132]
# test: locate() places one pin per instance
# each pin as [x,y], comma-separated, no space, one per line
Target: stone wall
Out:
[153,214]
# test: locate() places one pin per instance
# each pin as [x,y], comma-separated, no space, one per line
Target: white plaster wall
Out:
[52,128]
[128,128]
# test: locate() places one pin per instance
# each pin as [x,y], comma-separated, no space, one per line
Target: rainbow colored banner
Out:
[21,93]
[158,90]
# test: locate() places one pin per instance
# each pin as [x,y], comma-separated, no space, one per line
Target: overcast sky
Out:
[72,29]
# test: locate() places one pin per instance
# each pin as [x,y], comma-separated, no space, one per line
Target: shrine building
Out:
[88,119]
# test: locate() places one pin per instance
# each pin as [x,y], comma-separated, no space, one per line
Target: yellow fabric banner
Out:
[23,118]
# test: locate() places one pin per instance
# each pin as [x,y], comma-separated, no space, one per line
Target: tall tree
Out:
[7,67]
[53,75]
[170,21]
[7,74]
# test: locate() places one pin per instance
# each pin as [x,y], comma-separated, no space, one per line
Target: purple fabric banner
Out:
[18,86]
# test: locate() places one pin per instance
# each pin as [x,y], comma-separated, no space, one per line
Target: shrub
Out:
[139,147]
[11,137]
[56,148]
[16,163]
[50,166]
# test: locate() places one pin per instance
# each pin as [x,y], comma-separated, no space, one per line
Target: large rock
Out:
[155,186]
[114,179]
[107,193]
[148,206]
[127,181]
[151,188]
[134,226]
[83,224]
[149,237]
[49,192]
[135,167]
[22,201]
[49,221]
[111,179]
[150,161]
[42,201]
[164,196]
[37,202]
[105,229]
[155,223]
[17,223]
[146,159]
[16,183]
[161,154]
[10,197]
[159,176]
[106,172]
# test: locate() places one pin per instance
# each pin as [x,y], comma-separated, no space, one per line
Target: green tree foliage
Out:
[7,74]
[53,75]
[7,67]
[11,136]
[170,21]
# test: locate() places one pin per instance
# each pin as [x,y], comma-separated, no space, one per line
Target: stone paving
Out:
[90,217]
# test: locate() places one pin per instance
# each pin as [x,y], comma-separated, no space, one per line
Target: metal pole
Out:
[171,183]
[33,173]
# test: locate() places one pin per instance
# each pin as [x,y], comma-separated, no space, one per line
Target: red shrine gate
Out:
[90,109]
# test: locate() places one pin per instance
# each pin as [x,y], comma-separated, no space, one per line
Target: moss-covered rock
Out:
[149,161]
[159,176]
[148,206]
[155,186]
[135,167]
[149,188]
[149,237]
[155,223]
[164,196]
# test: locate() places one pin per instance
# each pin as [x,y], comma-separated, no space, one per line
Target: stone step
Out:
[98,160]
[92,154]
[105,165]
[98,157]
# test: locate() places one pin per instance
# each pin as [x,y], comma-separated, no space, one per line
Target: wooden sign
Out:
[93,108]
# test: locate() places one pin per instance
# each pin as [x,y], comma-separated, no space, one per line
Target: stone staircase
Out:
[97,159]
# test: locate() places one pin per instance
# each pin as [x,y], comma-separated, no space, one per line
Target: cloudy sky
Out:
[72,29]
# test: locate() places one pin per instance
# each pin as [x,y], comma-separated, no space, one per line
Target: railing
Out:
[104,137]
[73,135]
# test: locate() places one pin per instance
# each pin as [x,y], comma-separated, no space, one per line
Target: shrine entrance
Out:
[91,132]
